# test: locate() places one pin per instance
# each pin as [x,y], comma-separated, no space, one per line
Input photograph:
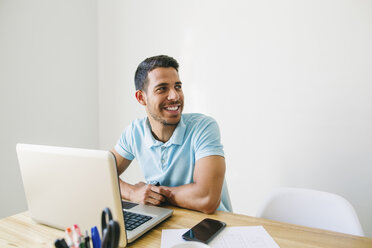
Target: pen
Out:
[78,238]
[87,240]
[96,240]
[154,183]
[69,237]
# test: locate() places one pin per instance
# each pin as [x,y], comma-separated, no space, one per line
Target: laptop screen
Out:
[67,186]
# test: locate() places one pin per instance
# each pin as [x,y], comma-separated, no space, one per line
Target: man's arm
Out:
[204,194]
[140,192]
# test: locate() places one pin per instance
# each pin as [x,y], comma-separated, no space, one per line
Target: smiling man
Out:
[180,155]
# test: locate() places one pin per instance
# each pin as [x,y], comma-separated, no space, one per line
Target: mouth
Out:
[173,108]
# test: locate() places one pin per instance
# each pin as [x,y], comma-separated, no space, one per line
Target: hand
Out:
[149,194]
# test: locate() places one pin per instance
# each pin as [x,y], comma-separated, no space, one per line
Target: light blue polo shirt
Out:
[172,163]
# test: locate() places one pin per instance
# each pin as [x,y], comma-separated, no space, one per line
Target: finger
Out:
[153,201]
[150,193]
[156,196]
[165,192]
[161,190]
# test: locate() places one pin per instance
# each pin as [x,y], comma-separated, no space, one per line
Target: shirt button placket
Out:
[163,156]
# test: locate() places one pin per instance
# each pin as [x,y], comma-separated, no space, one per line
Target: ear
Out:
[141,97]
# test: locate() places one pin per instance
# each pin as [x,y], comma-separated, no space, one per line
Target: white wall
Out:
[48,83]
[288,81]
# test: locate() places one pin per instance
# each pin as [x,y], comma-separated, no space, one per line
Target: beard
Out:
[161,120]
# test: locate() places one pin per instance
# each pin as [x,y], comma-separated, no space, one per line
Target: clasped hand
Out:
[149,194]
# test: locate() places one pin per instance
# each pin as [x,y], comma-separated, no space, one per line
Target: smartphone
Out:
[204,231]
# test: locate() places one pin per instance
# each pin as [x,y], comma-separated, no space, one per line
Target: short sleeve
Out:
[208,140]
[125,144]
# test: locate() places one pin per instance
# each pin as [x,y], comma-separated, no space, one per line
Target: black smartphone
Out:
[204,231]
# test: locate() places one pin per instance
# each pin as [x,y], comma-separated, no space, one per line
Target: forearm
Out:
[192,196]
[125,189]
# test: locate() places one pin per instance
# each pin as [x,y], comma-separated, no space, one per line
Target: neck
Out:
[160,131]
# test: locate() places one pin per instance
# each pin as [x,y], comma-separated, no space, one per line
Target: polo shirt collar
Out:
[176,138]
[178,134]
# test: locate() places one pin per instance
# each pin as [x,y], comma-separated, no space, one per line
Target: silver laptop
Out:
[66,186]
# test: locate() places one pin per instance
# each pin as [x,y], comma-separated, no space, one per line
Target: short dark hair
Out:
[149,64]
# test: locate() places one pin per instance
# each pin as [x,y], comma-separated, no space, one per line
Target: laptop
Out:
[67,186]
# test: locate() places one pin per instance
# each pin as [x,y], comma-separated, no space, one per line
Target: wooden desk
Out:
[20,231]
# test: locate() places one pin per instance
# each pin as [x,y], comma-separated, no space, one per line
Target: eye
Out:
[178,86]
[161,88]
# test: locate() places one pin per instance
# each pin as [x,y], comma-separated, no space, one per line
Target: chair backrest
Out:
[311,208]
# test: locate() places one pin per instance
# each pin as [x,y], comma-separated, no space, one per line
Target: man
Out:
[180,154]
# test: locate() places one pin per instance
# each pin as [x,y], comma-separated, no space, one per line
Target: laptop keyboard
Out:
[134,220]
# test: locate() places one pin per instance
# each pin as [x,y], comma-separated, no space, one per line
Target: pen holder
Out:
[73,239]
[110,235]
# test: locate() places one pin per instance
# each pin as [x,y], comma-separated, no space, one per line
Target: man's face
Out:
[163,96]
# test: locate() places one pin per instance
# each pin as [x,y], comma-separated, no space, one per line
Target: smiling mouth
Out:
[172,108]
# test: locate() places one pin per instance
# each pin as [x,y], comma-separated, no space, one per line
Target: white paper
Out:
[230,237]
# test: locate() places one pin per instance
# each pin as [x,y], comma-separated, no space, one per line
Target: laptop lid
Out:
[66,186]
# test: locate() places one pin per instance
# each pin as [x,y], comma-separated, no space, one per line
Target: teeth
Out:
[172,108]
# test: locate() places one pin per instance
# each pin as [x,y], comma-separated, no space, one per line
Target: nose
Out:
[173,95]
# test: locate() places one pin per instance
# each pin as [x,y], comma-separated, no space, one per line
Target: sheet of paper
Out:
[230,237]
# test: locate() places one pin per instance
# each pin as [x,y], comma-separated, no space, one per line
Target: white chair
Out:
[311,208]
